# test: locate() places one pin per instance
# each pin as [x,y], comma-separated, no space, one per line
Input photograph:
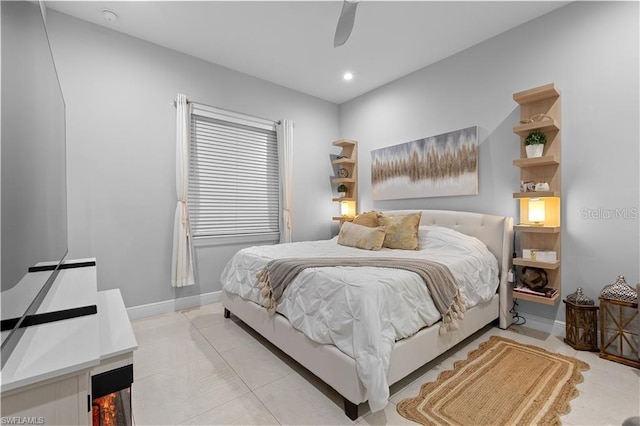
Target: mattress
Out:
[363,311]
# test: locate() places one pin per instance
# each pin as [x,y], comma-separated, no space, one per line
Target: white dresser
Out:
[47,377]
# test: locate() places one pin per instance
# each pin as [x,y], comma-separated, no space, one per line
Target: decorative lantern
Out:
[581,322]
[619,332]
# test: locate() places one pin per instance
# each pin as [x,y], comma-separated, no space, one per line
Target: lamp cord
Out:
[517,318]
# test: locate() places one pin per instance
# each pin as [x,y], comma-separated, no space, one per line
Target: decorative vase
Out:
[342,194]
[541,186]
[534,151]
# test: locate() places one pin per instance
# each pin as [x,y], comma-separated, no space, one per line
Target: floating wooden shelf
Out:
[547,160]
[536,94]
[343,180]
[344,142]
[536,194]
[538,299]
[543,125]
[537,229]
[343,161]
[542,101]
[536,264]
[342,219]
[349,162]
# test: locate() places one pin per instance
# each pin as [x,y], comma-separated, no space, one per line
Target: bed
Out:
[349,370]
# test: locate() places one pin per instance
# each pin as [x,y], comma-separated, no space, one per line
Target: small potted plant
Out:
[342,190]
[534,143]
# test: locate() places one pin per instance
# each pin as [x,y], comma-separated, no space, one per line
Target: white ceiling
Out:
[290,43]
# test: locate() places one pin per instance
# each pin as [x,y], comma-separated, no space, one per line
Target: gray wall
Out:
[121,140]
[590,51]
[121,153]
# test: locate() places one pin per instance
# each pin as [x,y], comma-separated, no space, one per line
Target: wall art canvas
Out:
[436,166]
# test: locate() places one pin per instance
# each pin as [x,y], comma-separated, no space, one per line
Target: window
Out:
[233,176]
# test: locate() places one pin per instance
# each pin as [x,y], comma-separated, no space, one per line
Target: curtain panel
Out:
[284,131]
[182,258]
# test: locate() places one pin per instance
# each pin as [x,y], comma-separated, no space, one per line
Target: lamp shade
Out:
[348,208]
[536,210]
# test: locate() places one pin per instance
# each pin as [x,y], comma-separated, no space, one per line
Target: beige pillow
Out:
[401,231]
[369,219]
[363,237]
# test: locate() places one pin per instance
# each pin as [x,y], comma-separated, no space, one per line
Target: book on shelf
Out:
[543,292]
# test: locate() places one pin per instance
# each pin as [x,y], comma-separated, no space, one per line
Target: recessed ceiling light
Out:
[347,76]
[109,15]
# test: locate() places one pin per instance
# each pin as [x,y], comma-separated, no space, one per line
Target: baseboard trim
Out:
[157,308]
[543,324]
[142,311]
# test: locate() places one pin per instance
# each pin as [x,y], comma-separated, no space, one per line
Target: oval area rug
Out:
[503,382]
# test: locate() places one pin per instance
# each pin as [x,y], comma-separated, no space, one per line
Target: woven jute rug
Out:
[503,382]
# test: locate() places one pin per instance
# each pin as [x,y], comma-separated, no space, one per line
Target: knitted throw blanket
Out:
[274,278]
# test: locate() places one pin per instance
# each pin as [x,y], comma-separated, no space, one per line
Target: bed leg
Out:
[227,313]
[350,409]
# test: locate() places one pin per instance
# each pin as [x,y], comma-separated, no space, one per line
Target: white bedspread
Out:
[363,310]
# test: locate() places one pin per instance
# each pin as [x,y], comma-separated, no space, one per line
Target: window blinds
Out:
[234,177]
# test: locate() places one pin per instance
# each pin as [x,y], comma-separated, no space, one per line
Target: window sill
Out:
[208,241]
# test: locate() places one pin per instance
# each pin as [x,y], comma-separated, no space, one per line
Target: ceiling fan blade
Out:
[345,22]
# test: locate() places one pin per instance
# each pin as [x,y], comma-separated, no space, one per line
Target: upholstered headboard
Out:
[496,232]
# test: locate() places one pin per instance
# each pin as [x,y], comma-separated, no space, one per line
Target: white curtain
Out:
[284,131]
[182,259]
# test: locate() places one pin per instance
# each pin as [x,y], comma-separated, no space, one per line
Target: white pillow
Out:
[423,232]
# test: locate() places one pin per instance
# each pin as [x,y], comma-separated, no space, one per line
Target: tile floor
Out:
[197,368]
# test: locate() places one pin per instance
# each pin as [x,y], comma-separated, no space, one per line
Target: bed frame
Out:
[338,370]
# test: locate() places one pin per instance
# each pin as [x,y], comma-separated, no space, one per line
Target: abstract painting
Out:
[435,166]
